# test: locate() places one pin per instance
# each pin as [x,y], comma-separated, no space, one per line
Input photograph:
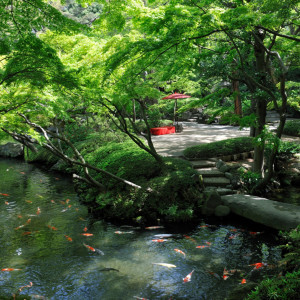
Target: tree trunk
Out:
[237,98]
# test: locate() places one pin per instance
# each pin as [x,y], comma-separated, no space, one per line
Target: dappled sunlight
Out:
[194,134]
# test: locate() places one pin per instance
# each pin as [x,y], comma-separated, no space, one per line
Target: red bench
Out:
[162,130]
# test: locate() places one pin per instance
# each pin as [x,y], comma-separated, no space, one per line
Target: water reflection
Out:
[50,249]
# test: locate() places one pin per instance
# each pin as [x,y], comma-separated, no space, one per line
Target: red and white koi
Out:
[93,249]
[243,281]
[159,240]
[154,227]
[38,211]
[69,238]
[258,265]
[179,251]
[87,234]
[10,269]
[188,277]
[52,227]
[202,246]
[5,195]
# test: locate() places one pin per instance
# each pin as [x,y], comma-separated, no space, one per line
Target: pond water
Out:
[44,253]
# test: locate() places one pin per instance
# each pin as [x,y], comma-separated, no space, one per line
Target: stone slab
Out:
[198,164]
[223,191]
[216,181]
[210,172]
[277,215]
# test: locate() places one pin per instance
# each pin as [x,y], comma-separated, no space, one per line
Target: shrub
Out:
[292,127]
[225,147]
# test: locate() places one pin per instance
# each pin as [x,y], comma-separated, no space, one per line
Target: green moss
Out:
[292,127]
[225,147]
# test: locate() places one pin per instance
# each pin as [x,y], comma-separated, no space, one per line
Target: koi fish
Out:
[203,226]
[10,269]
[226,274]
[19,227]
[189,238]
[243,281]
[62,202]
[93,249]
[22,287]
[5,195]
[254,233]
[179,251]
[56,178]
[214,274]
[85,229]
[139,298]
[188,277]
[70,205]
[20,216]
[52,227]
[154,227]
[258,265]
[28,221]
[28,201]
[201,247]
[52,201]
[22,173]
[67,201]
[87,234]
[26,233]
[6,202]
[164,265]
[38,211]
[233,236]
[69,238]
[159,240]
[122,232]
[208,243]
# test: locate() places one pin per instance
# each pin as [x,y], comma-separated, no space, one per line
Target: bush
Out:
[225,147]
[284,288]
[292,127]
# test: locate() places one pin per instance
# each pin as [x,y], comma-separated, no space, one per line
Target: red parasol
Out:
[176,96]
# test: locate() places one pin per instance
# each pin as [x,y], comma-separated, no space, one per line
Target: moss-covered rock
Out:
[219,148]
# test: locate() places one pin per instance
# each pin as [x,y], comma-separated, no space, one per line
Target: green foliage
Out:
[42,155]
[292,127]
[225,147]
[248,179]
[283,288]
[292,248]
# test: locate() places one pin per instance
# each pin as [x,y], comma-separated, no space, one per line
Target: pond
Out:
[51,249]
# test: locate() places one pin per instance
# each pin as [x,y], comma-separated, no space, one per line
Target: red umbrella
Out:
[176,96]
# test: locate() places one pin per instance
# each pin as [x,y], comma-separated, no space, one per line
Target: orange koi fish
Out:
[69,238]
[62,202]
[38,211]
[67,201]
[6,195]
[52,201]
[208,243]
[6,202]
[87,234]
[154,227]
[20,216]
[179,251]
[28,221]
[188,277]
[243,281]
[22,287]
[22,173]
[159,240]
[10,269]
[89,247]
[85,229]
[258,265]
[214,274]
[28,201]
[52,227]
[201,247]
[189,238]
[70,205]
[26,233]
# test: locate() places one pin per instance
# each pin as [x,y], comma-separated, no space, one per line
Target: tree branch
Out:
[279,34]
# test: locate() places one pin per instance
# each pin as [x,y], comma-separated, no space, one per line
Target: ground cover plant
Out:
[292,127]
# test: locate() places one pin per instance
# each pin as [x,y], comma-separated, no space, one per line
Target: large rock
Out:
[14,150]
[212,200]
[278,215]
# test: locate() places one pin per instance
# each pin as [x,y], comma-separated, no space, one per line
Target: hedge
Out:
[219,148]
[292,127]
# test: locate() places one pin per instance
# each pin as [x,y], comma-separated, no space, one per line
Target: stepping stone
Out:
[210,172]
[216,181]
[223,191]
[197,164]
